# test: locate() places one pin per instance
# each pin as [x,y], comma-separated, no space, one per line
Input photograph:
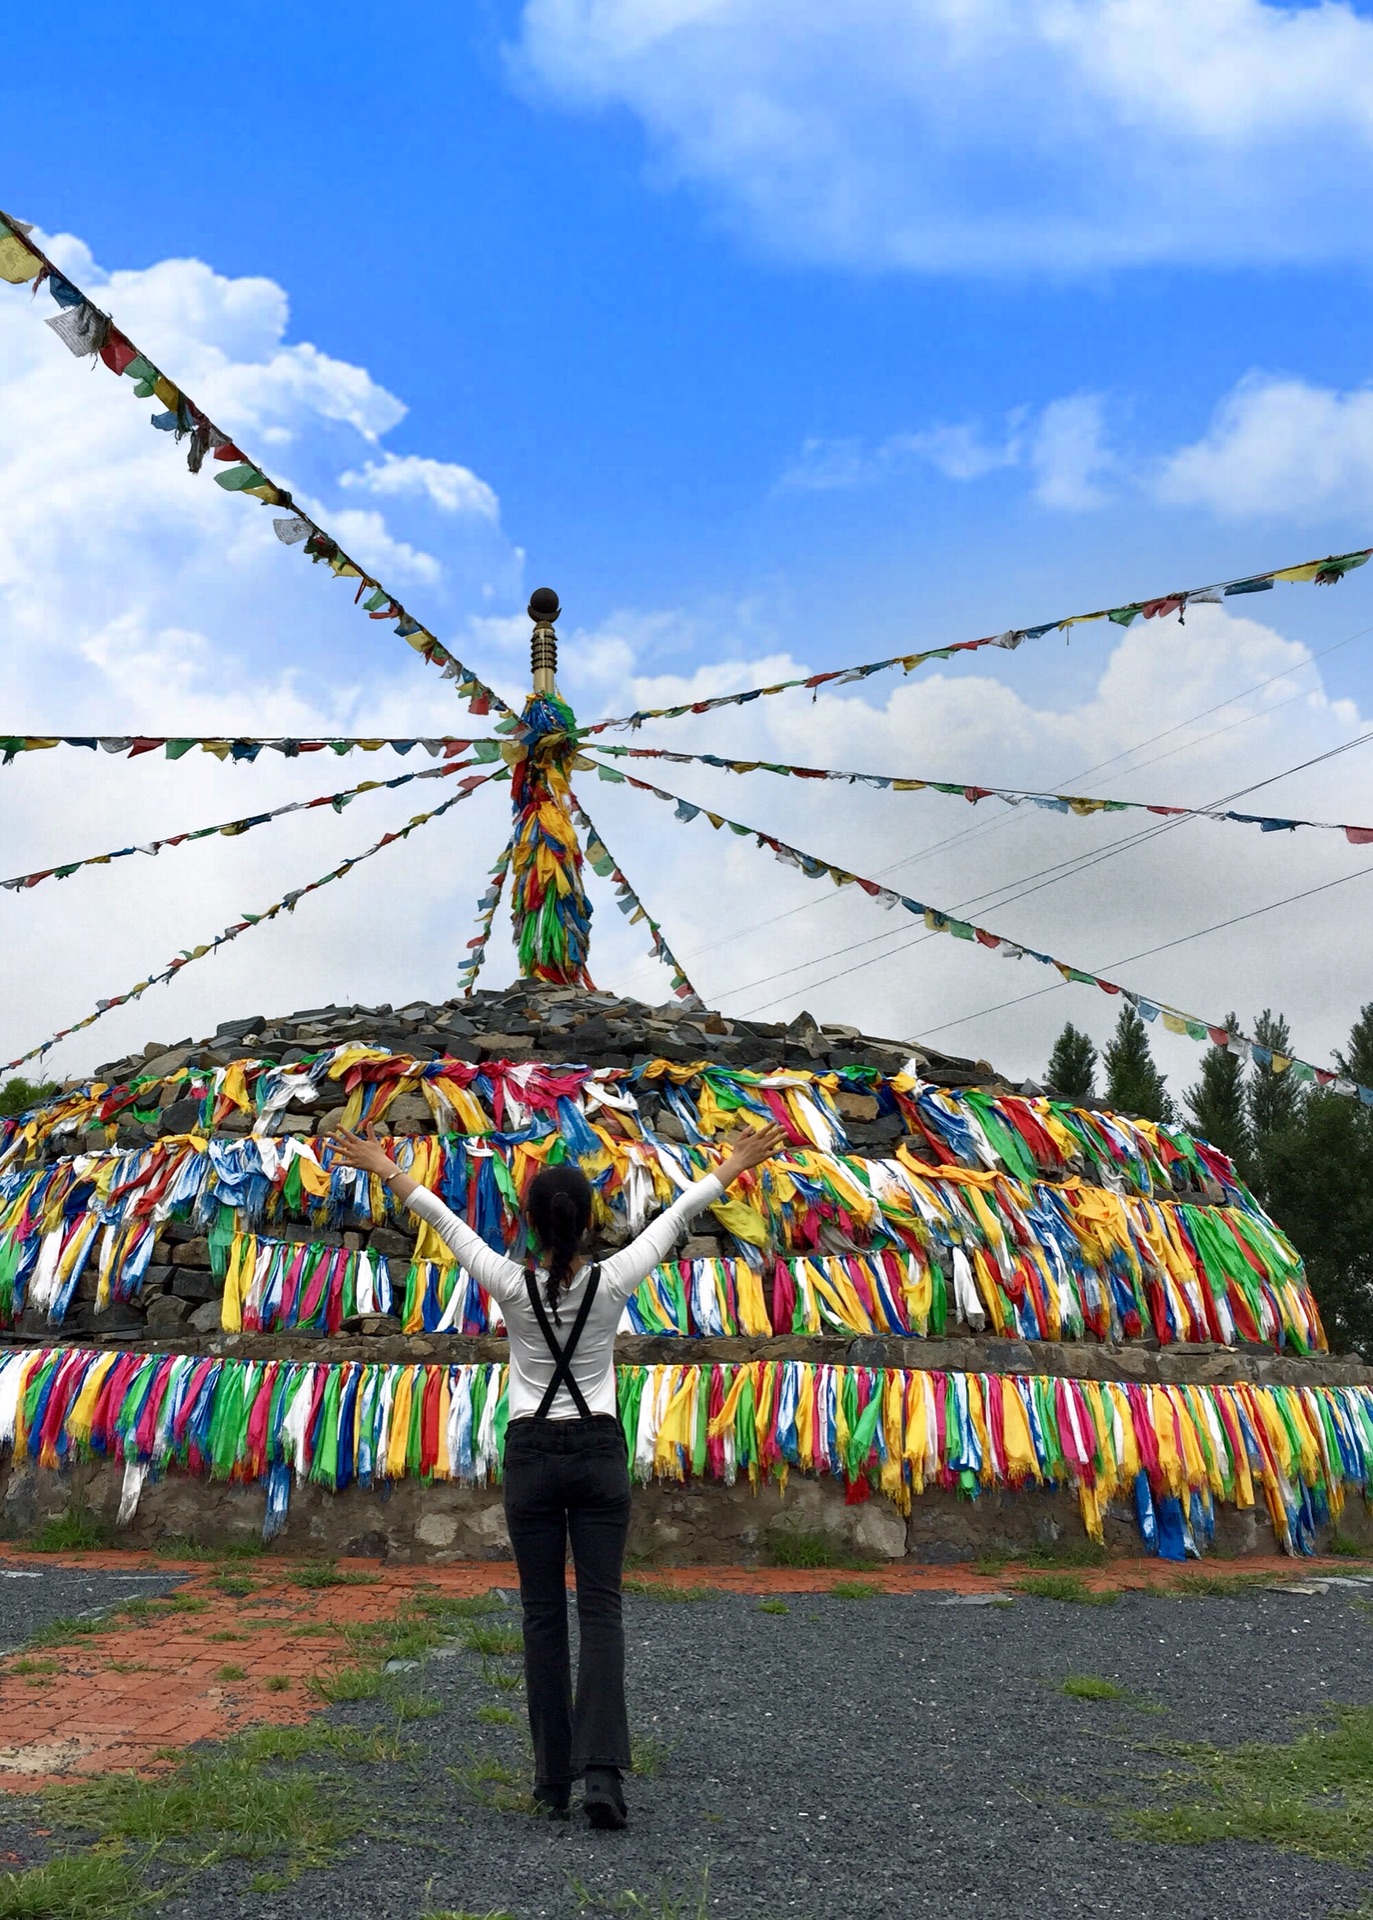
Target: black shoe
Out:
[605,1799]
[556,1802]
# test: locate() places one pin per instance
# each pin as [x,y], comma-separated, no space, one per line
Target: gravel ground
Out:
[883,1756]
[33,1597]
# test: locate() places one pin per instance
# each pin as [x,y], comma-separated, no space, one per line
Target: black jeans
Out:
[570,1479]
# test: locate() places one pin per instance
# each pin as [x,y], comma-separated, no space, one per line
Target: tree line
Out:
[1307,1153]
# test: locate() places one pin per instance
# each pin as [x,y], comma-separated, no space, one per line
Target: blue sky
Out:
[773,332]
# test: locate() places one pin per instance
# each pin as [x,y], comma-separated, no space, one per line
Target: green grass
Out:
[1067,1553]
[500,1678]
[990,1565]
[231,1673]
[797,1547]
[492,1642]
[1347,1548]
[278,1683]
[773,1606]
[662,1905]
[57,1633]
[237,1585]
[225,1634]
[1215,1586]
[325,1573]
[494,1716]
[26,1667]
[349,1683]
[1090,1686]
[668,1591]
[1312,1796]
[1069,1588]
[80,1886]
[464,1913]
[495,1784]
[854,1590]
[647,1755]
[78,1530]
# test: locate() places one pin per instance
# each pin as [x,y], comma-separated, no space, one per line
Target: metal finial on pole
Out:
[543,645]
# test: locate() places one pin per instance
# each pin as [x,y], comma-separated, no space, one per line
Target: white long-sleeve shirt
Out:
[593,1364]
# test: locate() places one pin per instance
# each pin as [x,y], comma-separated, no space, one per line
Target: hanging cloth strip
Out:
[1322,572]
[85,329]
[1070,803]
[548,903]
[1205,1032]
[1169,1453]
[242,749]
[287,904]
[603,863]
[231,829]
[486,910]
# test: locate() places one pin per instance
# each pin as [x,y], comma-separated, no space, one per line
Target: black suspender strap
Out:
[562,1356]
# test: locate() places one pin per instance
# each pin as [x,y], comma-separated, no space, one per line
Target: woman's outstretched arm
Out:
[623,1271]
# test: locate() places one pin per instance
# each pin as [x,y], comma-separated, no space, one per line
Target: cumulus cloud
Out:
[991,135]
[1278,446]
[137,598]
[451,488]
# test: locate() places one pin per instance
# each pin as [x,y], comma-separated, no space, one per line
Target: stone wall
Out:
[698,1524]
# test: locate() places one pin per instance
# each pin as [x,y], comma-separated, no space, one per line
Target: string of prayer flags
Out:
[486,909]
[287,904]
[231,829]
[1171,1452]
[1324,572]
[551,913]
[86,330]
[1068,803]
[937,920]
[603,864]
[240,749]
[274,1286]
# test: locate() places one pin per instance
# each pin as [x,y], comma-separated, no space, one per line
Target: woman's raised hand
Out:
[751,1151]
[363,1150]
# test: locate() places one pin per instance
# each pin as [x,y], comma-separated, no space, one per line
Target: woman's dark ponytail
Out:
[558,1208]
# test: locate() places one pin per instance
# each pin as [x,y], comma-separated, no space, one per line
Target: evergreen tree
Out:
[1133,1083]
[17,1095]
[1216,1104]
[1072,1065]
[1274,1099]
[1357,1061]
[1319,1183]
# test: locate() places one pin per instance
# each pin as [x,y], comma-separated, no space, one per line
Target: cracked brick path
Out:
[241,1645]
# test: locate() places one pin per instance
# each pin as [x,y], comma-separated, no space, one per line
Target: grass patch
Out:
[57,1633]
[463,1913]
[1312,1796]
[244,1800]
[492,1642]
[231,1673]
[78,1530]
[327,1573]
[991,1565]
[798,1547]
[501,1678]
[180,1546]
[1347,1547]
[224,1634]
[647,1755]
[1215,1586]
[495,1784]
[1068,1553]
[1070,1588]
[27,1667]
[662,1905]
[278,1683]
[78,1886]
[237,1585]
[494,1716]
[668,1591]
[773,1606]
[854,1590]
[1090,1686]
[348,1684]
[127,1666]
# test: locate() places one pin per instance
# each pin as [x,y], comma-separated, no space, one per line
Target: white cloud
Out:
[991,135]
[138,598]
[451,488]
[1068,454]
[1278,446]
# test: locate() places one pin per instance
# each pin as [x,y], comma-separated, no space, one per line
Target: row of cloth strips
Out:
[937,920]
[1036,1258]
[602,1110]
[87,331]
[286,904]
[1082,806]
[1173,1451]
